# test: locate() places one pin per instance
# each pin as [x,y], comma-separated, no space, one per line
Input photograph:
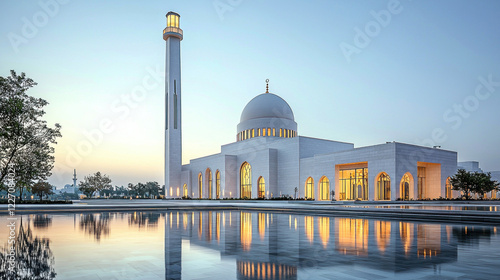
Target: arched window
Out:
[324,188]
[200,185]
[185,190]
[208,175]
[262,187]
[449,188]
[217,184]
[383,187]
[245,180]
[309,188]
[405,185]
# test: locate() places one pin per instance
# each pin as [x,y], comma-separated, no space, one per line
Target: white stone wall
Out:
[408,156]
[200,165]
[287,163]
[230,176]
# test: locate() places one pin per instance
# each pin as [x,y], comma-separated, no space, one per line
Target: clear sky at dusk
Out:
[365,72]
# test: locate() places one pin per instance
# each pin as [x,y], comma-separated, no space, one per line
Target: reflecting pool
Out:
[246,245]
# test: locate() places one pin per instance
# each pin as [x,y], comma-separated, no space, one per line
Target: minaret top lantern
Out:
[172,29]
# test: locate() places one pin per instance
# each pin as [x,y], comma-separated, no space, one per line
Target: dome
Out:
[267,105]
[266,115]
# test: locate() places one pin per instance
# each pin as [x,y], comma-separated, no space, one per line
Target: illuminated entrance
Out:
[262,187]
[404,189]
[353,184]
[217,184]
[383,187]
[309,188]
[200,185]
[245,180]
[208,175]
[324,188]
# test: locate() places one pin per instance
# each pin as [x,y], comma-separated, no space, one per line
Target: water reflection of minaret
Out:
[173,247]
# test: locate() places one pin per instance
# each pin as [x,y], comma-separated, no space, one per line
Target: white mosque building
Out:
[271,159]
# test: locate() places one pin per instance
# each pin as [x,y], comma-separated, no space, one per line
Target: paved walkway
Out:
[483,212]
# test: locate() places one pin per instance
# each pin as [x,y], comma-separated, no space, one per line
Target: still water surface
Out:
[248,245]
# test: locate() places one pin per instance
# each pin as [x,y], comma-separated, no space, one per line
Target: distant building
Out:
[68,188]
[470,166]
[495,175]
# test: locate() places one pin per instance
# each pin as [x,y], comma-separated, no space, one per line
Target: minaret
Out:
[74,181]
[172,34]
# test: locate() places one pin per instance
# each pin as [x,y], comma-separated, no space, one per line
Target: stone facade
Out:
[287,163]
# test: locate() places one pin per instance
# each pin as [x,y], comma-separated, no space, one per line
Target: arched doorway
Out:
[200,185]
[185,190]
[208,175]
[405,187]
[261,183]
[309,192]
[324,188]
[383,183]
[246,181]
[217,184]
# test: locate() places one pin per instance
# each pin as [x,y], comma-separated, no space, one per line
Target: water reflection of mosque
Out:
[271,246]
[277,246]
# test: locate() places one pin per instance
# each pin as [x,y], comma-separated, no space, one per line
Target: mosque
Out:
[271,159]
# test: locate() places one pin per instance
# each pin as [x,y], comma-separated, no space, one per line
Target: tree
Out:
[25,139]
[484,183]
[107,191]
[153,189]
[121,191]
[463,181]
[141,189]
[30,255]
[473,182]
[132,189]
[96,225]
[93,183]
[41,189]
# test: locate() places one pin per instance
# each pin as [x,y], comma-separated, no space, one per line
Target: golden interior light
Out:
[173,21]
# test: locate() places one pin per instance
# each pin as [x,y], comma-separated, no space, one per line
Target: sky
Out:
[364,72]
